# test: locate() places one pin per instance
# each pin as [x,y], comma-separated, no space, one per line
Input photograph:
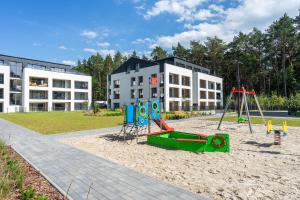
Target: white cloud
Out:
[249,14]
[36,44]
[89,34]
[90,50]
[103,52]
[143,41]
[69,62]
[103,44]
[62,47]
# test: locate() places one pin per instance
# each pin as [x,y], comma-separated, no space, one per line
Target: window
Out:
[16,99]
[1,62]
[132,81]
[154,92]
[39,82]
[56,69]
[117,94]
[141,80]
[211,105]
[1,93]
[186,93]
[116,105]
[202,83]
[211,85]
[218,96]
[218,86]
[60,106]
[173,105]
[132,94]
[162,78]
[141,94]
[81,106]
[174,92]
[61,83]
[15,69]
[81,96]
[81,85]
[186,81]
[16,85]
[186,105]
[211,95]
[174,79]
[36,66]
[116,83]
[36,94]
[61,95]
[37,107]
[202,94]
[202,106]
[1,78]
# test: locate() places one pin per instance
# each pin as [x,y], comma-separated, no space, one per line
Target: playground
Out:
[255,168]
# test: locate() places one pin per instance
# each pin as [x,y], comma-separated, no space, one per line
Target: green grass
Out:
[258,120]
[59,122]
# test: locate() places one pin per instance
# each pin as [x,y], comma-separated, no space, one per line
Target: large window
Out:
[81,85]
[154,92]
[1,78]
[117,94]
[132,81]
[186,93]
[81,106]
[61,83]
[61,106]
[211,95]
[173,105]
[56,69]
[116,83]
[174,92]
[16,85]
[202,83]
[141,93]
[16,99]
[36,94]
[174,79]
[186,81]
[218,86]
[211,85]
[1,93]
[132,94]
[218,96]
[40,82]
[141,80]
[38,107]
[15,69]
[81,96]
[202,94]
[61,95]
[41,67]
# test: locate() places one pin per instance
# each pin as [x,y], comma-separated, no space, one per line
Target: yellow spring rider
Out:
[277,132]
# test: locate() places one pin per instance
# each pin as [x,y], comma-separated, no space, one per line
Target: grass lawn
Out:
[258,120]
[59,122]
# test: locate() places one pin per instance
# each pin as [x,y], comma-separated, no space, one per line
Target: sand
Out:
[254,169]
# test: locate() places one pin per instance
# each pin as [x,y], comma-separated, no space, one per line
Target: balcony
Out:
[38,82]
[81,85]
[61,95]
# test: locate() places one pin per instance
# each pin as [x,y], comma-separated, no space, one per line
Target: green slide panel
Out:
[184,141]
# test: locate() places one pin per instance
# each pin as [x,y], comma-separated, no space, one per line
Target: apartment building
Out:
[28,85]
[181,85]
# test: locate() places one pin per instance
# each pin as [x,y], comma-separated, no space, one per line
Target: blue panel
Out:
[143,111]
[130,114]
[155,109]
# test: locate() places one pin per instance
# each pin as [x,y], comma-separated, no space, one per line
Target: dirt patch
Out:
[34,179]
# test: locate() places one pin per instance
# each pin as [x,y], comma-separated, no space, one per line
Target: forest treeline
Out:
[269,61]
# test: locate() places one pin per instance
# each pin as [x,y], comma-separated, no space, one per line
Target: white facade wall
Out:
[125,85]
[5,70]
[163,87]
[29,72]
[172,69]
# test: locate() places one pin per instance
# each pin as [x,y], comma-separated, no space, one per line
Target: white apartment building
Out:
[28,85]
[181,85]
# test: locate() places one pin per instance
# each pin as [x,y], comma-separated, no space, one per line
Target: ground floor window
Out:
[173,105]
[1,107]
[61,106]
[80,106]
[116,105]
[211,105]
[202,106]
[186,105]
[38,107]
[16,99]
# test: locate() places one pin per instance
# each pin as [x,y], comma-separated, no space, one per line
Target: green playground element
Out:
[242,120]
[190,142]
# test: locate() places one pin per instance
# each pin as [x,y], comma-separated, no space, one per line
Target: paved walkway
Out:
[63,165]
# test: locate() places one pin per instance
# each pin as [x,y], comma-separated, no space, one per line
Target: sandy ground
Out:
[254,169]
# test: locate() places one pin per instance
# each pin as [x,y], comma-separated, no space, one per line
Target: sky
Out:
[71,30]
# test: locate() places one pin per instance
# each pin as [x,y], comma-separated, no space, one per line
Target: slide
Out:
[164,125]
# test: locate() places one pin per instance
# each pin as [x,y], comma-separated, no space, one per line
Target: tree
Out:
[181,52]
[198,53]
[118,60]
[158,53]
[215,53]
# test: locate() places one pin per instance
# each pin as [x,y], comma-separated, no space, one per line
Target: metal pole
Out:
[259,108]
[241,110]
[247,111]
[225,109]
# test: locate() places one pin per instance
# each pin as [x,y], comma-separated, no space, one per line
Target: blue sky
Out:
[65,31]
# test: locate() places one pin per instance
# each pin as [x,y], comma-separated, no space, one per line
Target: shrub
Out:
[28,194]
[41,198]
[5,187]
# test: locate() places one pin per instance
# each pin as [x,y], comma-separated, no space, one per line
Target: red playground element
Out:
[163,125]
